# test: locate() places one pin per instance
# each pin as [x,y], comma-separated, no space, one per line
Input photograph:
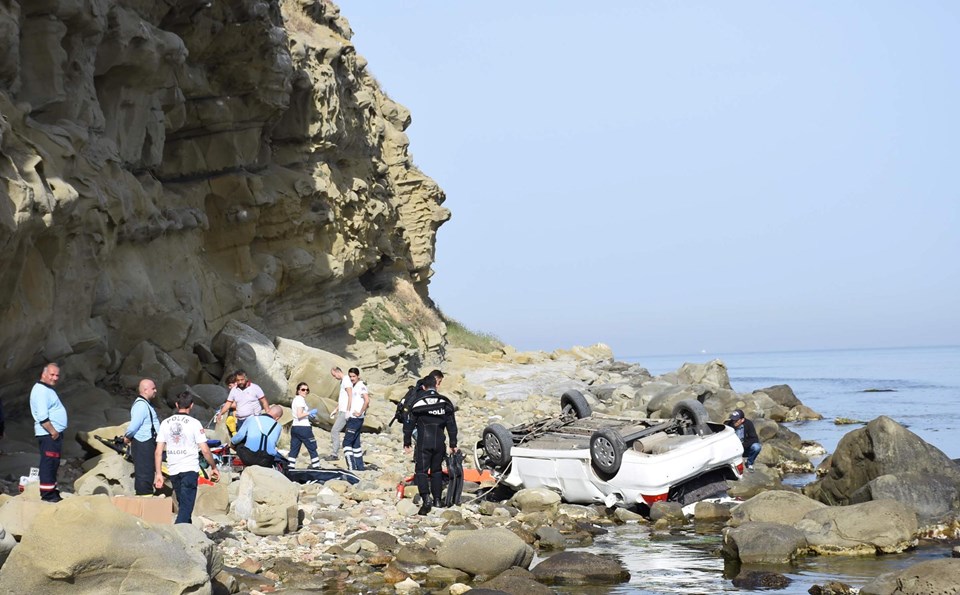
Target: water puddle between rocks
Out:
[687,562]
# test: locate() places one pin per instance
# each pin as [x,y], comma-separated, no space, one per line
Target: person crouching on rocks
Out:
[432,413]
[300,431]
[259,435]
[747,434]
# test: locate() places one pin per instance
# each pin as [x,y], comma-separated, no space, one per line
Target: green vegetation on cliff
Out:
[460,336]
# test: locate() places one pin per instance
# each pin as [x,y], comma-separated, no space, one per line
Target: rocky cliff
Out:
[169,166]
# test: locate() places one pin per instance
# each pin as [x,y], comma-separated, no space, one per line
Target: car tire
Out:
[606,452]
[693,415]
[573,402]
[497,443]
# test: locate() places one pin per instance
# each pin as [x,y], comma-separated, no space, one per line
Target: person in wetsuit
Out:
[431,414]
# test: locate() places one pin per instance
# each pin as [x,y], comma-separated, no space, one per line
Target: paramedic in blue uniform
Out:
[50,421]
[141,435]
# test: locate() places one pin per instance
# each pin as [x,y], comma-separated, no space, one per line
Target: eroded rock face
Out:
[166,167]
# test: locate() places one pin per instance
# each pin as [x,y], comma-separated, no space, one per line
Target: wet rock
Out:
[580,568]
[924,578]
[515,581]
[832,588]
[485,552]
[550,538]
[762,543]
[762,479]
[756,579]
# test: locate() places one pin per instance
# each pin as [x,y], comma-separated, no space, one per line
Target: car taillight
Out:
[740,468]
[654,498]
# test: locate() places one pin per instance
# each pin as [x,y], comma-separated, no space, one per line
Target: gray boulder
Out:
[486,552]
[87,545]
[515,581]
[882,447]
[763,543]
[242,347]
[786,508]
[931,496]
[267,501]
[924,578]
[880,526]
[112,475]
[536,500]
[580,568]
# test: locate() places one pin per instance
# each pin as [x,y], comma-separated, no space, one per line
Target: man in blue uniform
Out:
[141,435]
[259,435]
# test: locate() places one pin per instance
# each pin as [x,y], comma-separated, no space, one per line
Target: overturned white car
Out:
[594,458]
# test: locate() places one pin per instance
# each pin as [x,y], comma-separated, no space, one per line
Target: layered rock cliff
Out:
[169,166]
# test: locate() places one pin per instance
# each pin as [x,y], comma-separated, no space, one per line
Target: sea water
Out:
[918,387]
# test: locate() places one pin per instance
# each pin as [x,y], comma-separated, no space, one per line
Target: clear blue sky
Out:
[671,177]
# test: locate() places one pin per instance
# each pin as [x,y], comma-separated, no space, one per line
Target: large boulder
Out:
[880,526]
[882,447]
[933,576]
[763,543]
[786,508]
[241,347]
[87,545]
[485,552]
[712,374]
[931,496]
[536,500]
[112,475]
[267,501]
[309,364]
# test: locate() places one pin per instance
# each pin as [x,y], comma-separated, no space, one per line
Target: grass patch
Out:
[464,338]
[378,325]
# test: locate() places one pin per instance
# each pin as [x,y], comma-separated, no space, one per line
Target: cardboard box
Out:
[154,510]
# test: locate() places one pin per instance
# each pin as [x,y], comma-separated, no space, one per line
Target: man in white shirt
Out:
[346,391]
[356,411]
[182,436]
[247,396]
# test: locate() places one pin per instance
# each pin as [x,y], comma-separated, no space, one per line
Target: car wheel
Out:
[606,452]
[497,442]
[693,416]
[574,403]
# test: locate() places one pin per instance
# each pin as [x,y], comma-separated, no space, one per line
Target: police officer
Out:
[432,413]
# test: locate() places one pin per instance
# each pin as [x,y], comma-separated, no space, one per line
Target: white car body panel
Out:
[566,467]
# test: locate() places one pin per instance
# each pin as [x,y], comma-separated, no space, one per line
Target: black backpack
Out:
[403,406]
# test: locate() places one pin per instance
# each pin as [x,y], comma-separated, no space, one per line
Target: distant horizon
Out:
[775,351]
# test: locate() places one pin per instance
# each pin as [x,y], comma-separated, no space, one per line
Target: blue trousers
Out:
[185,487]
[303,435]
[752,452]
[49,465]
[352,451]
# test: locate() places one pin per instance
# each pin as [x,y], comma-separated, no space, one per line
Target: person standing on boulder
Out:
[356,410]
[432,414]
[300,431]
[50,421]
[246,396]
[747,434]
[181,436]
[141,435]
[343,399]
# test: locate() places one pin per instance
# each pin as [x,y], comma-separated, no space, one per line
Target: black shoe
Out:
[426,507]
[54,500]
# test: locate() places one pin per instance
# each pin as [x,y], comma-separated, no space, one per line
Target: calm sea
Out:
[918,387]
